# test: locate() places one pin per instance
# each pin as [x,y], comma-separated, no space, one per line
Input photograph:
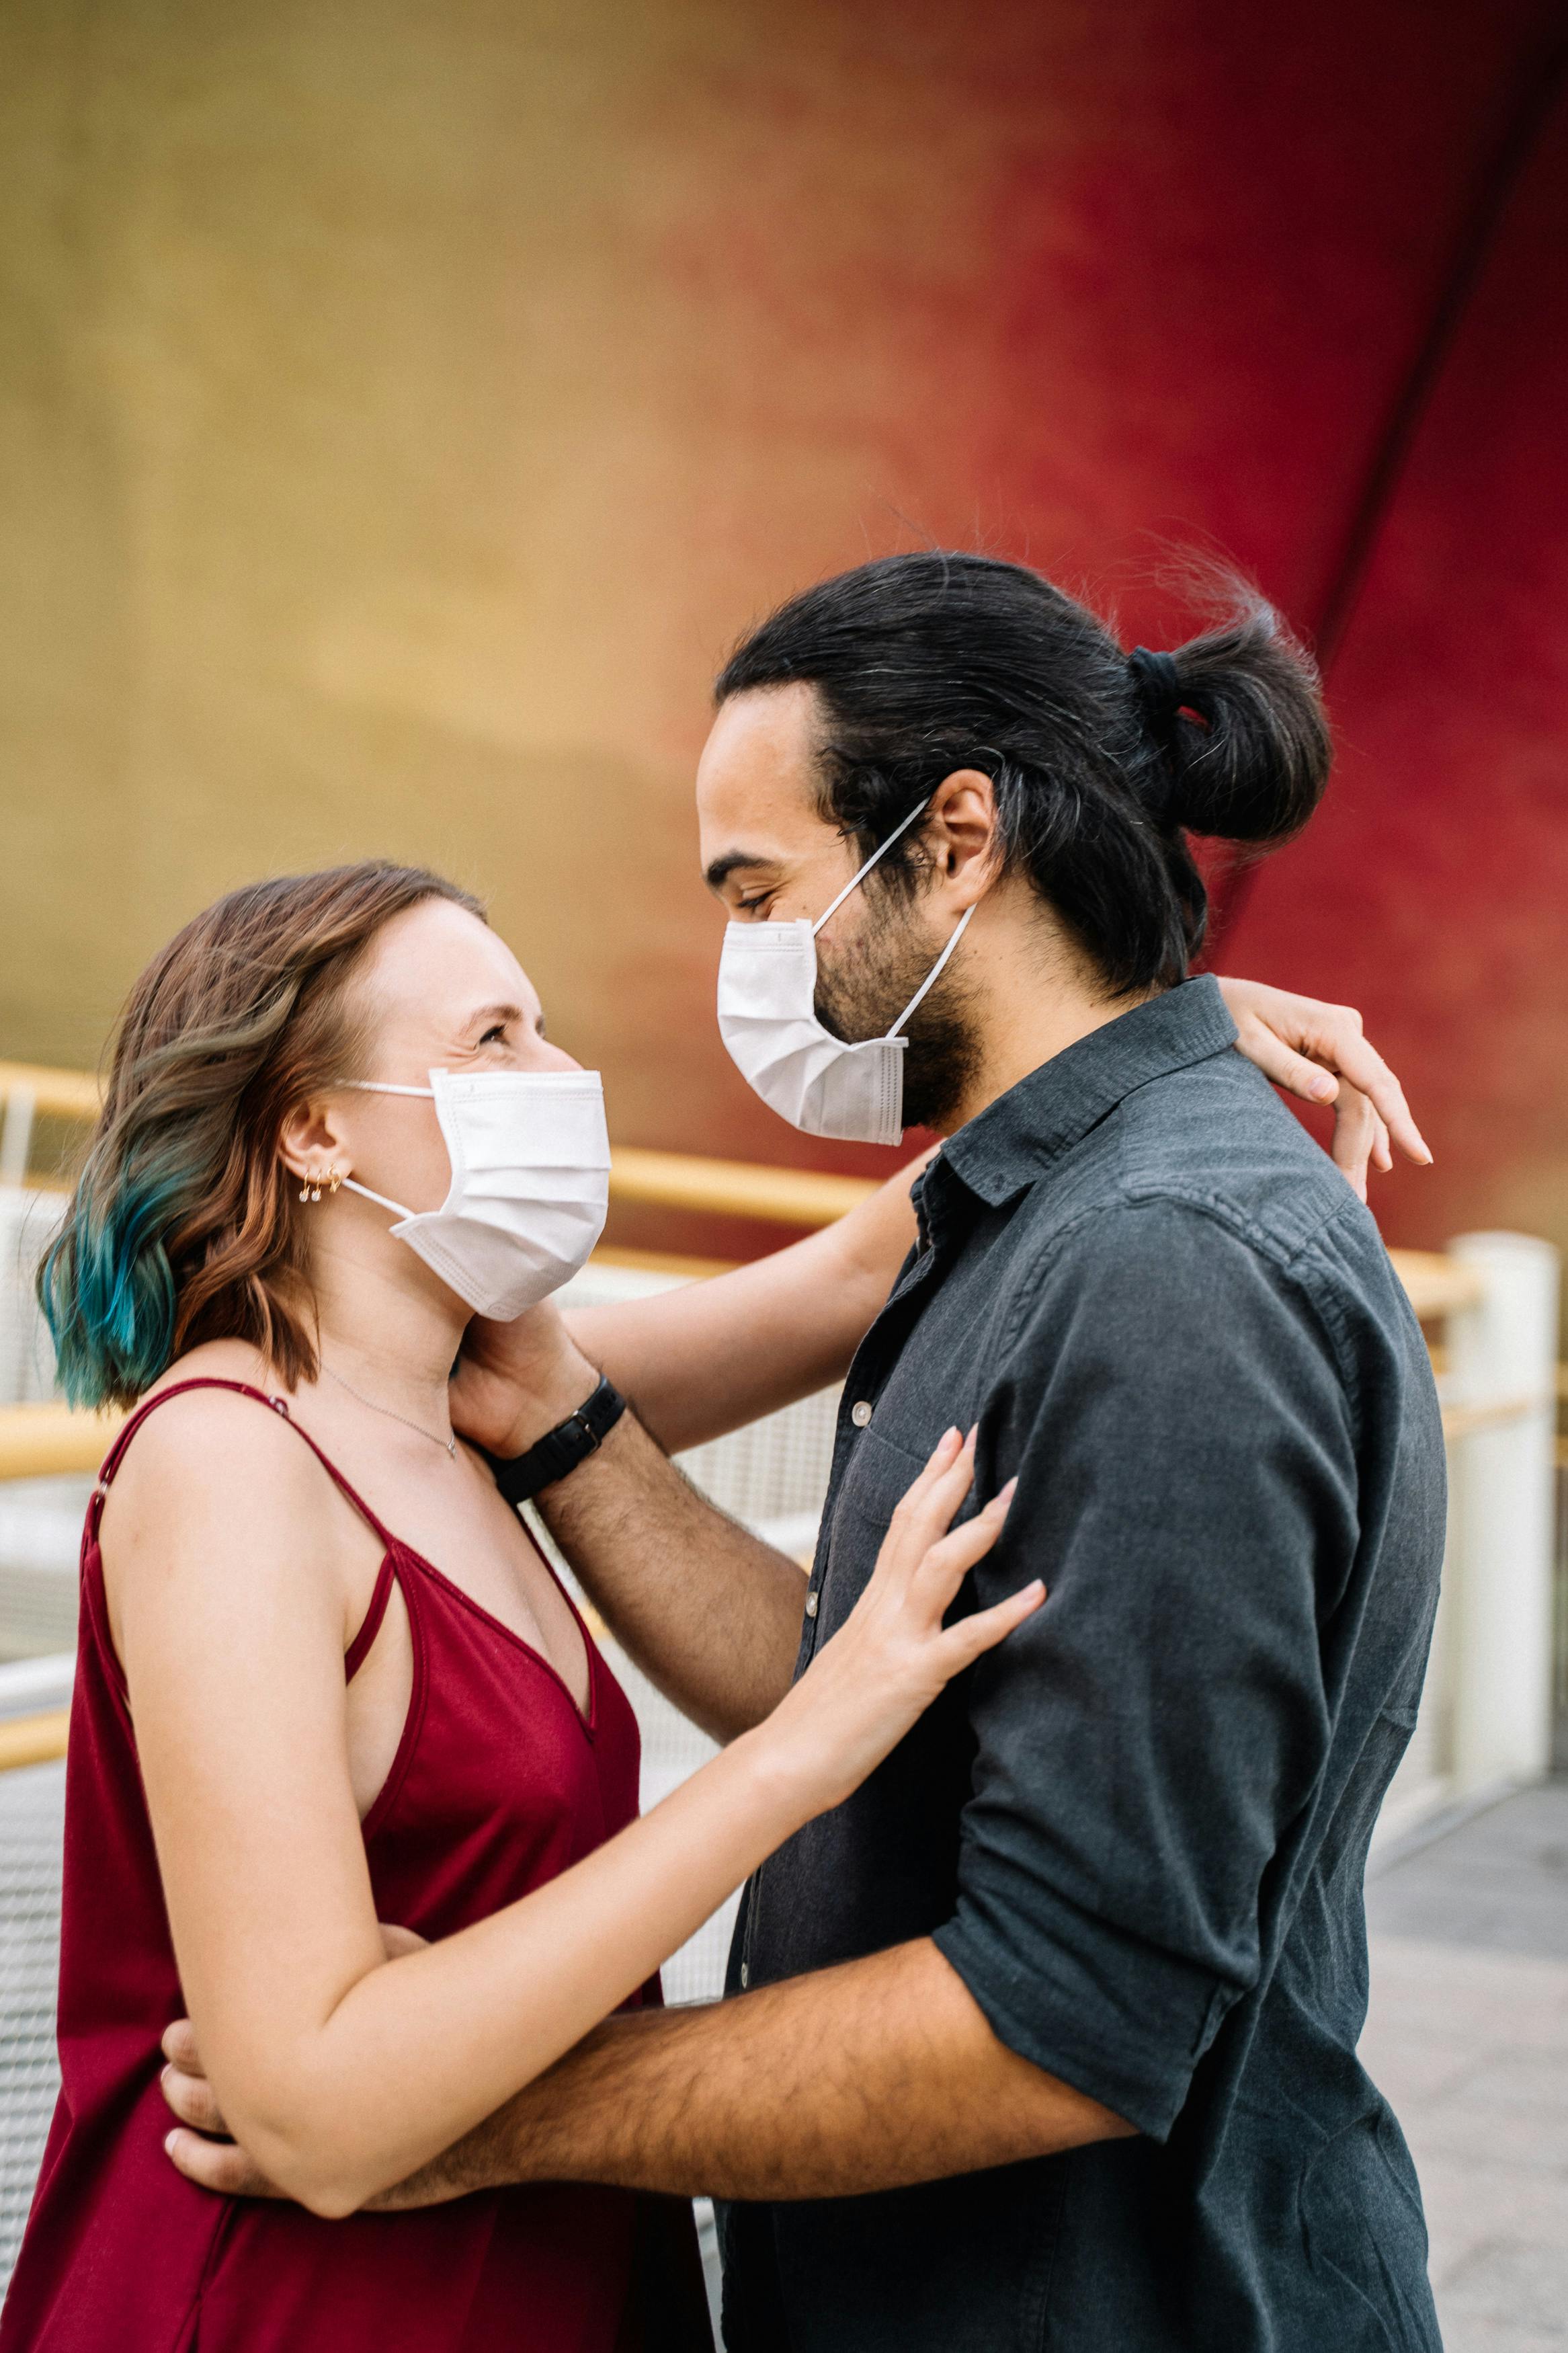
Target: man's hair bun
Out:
[1245,740]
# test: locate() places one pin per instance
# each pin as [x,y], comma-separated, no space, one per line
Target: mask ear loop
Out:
[934,975]
[855,879]
[382,1087]
[379,1198]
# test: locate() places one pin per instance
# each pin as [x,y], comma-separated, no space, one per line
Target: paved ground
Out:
[1468,2038]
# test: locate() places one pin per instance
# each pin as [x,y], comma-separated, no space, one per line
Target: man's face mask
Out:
[767,1018]
[531,1172]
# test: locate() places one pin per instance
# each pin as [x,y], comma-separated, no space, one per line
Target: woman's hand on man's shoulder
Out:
[1320,1053]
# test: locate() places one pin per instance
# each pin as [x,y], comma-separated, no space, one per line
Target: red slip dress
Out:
[499,1783]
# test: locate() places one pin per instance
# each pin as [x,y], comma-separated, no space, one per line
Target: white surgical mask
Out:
[531,1172]
[767,1018]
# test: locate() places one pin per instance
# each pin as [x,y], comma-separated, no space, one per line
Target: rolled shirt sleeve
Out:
[1173,1409]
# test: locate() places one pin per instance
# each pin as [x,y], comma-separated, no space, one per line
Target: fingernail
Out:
[1324,1087]
[169,2141]
[1008,1490]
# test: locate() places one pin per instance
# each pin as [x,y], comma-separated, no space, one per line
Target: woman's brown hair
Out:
[184,1226]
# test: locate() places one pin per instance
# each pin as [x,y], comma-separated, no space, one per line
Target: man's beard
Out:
[865,986]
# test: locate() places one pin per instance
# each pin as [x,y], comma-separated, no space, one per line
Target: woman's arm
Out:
[342,2073]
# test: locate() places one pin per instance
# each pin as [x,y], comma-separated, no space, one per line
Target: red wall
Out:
[1433,891]
[1291,285]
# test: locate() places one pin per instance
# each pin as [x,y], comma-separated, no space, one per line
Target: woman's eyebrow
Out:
[488,1014]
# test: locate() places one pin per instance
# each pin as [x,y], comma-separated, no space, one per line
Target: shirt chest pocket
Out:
[879,1474]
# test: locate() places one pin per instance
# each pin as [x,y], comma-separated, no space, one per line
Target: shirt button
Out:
[745,1975]
[860,1414]
[811,1605]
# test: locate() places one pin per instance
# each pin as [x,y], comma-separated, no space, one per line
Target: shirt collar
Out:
[999,1151]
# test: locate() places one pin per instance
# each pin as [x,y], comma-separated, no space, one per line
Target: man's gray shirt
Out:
[1138,1830]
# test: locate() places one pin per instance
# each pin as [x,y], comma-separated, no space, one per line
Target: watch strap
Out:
[520,1477]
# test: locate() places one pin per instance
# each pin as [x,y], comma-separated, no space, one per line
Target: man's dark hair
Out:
[1101,762]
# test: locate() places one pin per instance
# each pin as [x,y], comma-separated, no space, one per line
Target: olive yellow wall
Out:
[402,404]
[335,482]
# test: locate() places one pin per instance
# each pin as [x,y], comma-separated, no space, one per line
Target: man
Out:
[1047,2037]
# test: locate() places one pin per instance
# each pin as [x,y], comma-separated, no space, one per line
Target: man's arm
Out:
[865,2077]
[709,1612]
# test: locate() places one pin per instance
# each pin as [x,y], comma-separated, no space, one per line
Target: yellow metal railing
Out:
[732,1188]
[57,1094]
[34,1739]
[672,1180]
[42,1440]
[1436,1286]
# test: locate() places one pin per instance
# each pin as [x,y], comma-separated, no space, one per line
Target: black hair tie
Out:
[1158,687]
[1159,692]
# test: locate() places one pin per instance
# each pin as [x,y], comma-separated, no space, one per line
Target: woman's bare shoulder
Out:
[214,1442]
[218,1360]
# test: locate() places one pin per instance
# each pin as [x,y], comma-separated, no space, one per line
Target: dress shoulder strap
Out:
[116,1454]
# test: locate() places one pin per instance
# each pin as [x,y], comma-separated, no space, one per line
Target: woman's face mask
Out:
[767,1018]
[531,1170]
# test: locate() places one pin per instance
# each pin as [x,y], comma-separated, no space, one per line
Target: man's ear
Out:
[962,835]
[309,1140]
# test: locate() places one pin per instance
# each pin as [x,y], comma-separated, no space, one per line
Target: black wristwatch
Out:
[521,1476]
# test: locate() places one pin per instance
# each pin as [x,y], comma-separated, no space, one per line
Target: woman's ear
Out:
[310,1141]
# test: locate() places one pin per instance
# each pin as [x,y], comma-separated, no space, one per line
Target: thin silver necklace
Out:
[447,1445]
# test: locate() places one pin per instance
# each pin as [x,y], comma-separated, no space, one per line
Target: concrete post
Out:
[1502,1363]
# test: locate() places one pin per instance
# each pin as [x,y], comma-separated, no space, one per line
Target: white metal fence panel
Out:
[31,1805]
[28,1219]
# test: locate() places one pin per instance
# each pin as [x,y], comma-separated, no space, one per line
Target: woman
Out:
[299,1710]
[330,1723]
